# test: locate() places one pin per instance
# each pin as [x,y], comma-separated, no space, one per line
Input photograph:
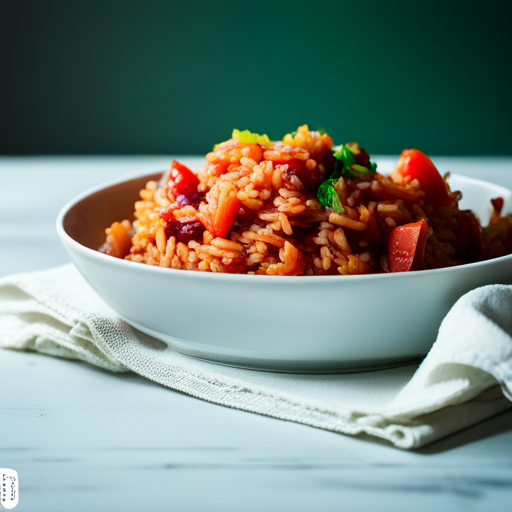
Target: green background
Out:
[141,77]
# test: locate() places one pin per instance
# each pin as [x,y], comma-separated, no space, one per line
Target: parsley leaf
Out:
[328,196]
[344,155]
[336,205]
[346,164]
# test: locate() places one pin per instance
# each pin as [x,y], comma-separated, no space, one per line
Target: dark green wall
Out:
[176,77]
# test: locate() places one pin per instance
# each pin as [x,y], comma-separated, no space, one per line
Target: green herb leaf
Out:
[345,160]
[293,133]
[360,169]
[324,193]
[344,155]
[336,205]
[372,166]
[328,196]
[346,163]
[347,157]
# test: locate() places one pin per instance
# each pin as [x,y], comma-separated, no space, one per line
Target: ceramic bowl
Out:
[294,324]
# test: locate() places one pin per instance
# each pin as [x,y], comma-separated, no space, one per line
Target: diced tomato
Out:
[413,164]
[406,246]
[182,181]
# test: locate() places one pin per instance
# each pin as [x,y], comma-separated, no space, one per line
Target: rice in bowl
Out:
[303,207]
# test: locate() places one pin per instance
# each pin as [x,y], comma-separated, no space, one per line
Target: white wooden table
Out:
[84,439]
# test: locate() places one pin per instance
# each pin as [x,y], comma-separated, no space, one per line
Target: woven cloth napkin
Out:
[466,377]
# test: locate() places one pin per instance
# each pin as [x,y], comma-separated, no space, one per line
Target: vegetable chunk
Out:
[182,181]
[406,247]
[415,165]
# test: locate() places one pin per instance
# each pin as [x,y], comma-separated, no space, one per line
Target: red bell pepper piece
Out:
[182,181]
[406,246]
[413,164]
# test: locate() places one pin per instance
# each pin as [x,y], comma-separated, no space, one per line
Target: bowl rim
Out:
[69,241]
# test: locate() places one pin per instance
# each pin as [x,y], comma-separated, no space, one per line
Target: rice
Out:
[254,209]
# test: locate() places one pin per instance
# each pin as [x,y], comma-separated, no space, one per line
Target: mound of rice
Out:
[256,211]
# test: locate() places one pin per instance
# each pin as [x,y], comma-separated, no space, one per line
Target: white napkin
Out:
[466,377]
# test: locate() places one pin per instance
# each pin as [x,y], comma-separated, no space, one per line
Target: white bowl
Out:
[299,324]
